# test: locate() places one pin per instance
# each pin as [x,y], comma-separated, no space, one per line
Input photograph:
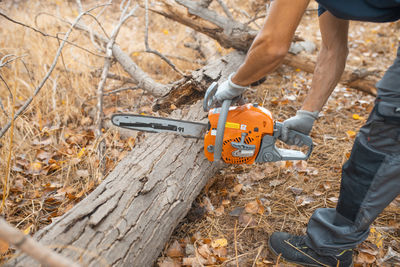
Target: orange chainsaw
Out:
[235,134]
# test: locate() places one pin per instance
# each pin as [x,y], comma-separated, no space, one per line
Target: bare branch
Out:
[53,65]
[119,90]
[141,78]
[4,63]
[113,76]
[225,8]
[146,42]
[28,245]
[2,108]
[8,88]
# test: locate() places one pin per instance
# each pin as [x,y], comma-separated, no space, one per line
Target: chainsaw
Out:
[234,134]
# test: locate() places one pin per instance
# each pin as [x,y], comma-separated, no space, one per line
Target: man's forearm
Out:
[330,63]
[272,42]
[327,73]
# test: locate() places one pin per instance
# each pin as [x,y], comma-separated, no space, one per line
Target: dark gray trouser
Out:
[370,178]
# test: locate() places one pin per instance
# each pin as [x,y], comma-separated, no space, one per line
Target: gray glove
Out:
[229,90]
[302,122]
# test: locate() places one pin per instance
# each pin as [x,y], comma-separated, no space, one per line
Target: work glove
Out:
[302,122]
[229,90]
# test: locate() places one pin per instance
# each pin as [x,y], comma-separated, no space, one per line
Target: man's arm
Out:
[272,42]
[330,63]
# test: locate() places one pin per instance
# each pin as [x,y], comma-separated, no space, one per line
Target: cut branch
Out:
[26,244]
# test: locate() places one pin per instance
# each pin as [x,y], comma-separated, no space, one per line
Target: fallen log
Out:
[129,217]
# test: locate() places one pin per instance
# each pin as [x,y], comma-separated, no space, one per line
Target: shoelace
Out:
[300,241]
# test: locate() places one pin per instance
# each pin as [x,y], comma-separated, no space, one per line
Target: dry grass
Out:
[53,152]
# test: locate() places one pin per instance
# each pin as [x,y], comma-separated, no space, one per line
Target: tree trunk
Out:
[129,217]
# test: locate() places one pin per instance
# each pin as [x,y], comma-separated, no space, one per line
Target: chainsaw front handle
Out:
[209,99]
[209,102]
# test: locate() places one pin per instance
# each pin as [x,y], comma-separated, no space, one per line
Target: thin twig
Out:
[42,254]
[225,9]
[53,65]
[2,64]
[119,90]
[29,73]
[48,35]
[9,90]
[258,255]
[65,67]
[236,250]
[146,42]
[6,181]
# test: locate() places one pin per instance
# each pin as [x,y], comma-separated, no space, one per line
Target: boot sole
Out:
[275,254]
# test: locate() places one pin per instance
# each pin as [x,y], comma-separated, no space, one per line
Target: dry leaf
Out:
[236,212]
[333,199]
[303,200]
[318,193]
[226,202]
[204,251]
[246,220]
[168,262]
[238,188]
[35,168]
[351,134]
[296,190]
[219,211]
[175,250]
[28,229]
[221,242]
[220,251]
[3,247]
[375,238]
[275,183]
[365,258]
[252,207]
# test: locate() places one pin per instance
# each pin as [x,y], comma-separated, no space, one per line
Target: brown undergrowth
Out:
[54,160]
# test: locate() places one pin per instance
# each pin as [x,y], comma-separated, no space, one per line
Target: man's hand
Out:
[302,122]
[229,90]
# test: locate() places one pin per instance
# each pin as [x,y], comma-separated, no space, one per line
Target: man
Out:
[371,176]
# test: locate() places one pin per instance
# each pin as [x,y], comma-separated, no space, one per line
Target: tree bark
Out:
[129,217]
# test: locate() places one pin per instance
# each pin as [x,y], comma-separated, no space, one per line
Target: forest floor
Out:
[49,160]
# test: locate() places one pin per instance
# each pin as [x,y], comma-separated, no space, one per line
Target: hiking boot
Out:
[294,249]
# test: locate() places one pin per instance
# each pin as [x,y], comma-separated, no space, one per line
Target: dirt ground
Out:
[50,159]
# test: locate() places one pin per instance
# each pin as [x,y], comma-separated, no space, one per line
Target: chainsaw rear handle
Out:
[210,101]
[300,138]
[270,153]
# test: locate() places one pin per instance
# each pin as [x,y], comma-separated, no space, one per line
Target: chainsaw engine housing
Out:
[244,129]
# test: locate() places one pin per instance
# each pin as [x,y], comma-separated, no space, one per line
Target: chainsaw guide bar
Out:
[160,125]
